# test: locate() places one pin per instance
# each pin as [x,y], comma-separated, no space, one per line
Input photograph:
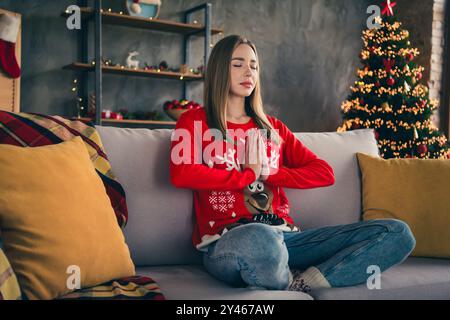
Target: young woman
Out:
[238,173]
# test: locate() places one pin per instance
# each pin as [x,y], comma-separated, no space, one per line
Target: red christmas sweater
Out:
[226,196]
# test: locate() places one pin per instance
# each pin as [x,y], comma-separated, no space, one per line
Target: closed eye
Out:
[238,66]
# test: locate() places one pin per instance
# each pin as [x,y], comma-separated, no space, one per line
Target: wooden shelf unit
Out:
[113,18]
[134,72]
[101,17]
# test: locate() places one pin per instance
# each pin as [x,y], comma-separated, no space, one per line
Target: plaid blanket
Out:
[9,287]
[131,288]
[33,130]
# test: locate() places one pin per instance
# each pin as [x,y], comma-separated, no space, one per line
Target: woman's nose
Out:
[248,70]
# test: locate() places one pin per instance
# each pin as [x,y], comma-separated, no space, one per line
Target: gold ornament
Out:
[386,107]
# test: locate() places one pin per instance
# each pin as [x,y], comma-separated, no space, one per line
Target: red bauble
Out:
[361,102]
[422,148]
[390,81]
[410,57]
[419,75]
[377,134]
[377,84]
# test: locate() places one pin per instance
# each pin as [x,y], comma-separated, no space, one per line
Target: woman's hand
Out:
[256,154]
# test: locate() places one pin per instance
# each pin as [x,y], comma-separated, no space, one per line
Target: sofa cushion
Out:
[187,282]
[161,216]
[34,130]
[415,191]
[415,279]
[341,202]
[56,220]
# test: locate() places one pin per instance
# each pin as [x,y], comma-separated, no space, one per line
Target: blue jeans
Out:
[258,255]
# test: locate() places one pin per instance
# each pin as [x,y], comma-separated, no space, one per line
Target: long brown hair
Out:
[217,88]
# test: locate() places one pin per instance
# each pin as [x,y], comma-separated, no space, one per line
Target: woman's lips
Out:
[247,84]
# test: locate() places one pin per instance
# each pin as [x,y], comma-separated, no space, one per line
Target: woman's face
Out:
[243,71]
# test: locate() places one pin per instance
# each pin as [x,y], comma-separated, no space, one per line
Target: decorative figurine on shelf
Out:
[163,66]
[130,62]
[184,68]
[108,114]
[143,8]
[175,108]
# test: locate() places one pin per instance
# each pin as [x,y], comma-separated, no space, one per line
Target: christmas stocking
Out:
[9,27]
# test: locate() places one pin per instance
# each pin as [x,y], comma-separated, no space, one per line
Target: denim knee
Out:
[260,252]
[259,242]
[407,239]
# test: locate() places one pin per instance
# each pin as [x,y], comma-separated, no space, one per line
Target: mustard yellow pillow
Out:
[415,191]
[57,222]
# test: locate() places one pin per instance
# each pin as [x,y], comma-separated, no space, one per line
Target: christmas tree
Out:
[389,97]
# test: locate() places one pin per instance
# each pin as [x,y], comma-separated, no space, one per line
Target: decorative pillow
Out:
[9,287]
[415,191]
[56,220]
[34,130]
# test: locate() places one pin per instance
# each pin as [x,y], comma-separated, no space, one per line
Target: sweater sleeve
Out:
[185,173]
[301,168]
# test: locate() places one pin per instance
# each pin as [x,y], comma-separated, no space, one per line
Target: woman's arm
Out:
[301,168]
[199,176]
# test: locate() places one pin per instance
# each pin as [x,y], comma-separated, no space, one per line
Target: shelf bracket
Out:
[98,62]
[207,7]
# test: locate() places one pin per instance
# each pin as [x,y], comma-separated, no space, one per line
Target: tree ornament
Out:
[390,81]
[407,87]
[410,57]
[386,107]
[361,102]
[416,134]
[422,148]
[377,135]
[419,75]
[388,64]
[387,8]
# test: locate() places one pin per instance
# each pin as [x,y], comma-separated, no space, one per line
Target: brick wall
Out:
[437,52]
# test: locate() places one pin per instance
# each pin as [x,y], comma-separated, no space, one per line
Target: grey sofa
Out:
[161,220]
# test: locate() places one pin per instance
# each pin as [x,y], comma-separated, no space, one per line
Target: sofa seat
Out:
[414,279]
[192,282]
